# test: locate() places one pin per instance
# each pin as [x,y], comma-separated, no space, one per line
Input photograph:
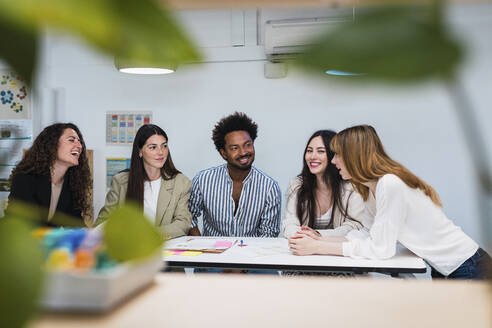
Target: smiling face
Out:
[69,148]
[338,162]
[154,152]
[315,156]
[239,150]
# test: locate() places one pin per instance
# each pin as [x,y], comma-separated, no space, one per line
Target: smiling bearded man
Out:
[235,199]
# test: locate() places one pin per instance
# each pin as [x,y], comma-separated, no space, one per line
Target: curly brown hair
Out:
[40,158]
[234,122]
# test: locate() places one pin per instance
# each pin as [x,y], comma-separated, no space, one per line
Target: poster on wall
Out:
[114,166]
[15,136]
[121,127]
[15,97]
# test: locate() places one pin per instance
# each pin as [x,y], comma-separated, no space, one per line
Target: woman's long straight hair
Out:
[306,193]
[365,159]
[137,174]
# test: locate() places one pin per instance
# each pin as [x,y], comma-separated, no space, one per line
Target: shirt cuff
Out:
[194,224]
[347,248]
[356,234]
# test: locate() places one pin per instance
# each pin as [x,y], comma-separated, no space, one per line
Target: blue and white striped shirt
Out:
[258,212]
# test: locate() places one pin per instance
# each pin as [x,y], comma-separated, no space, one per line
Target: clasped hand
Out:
[304,242]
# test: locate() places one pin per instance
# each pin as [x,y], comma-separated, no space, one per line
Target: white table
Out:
[274,254]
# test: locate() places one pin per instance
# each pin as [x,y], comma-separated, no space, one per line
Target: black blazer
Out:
[36,190]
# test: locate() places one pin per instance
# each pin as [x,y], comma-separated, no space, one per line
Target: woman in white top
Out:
[318,200]
[154,183]
[407,211]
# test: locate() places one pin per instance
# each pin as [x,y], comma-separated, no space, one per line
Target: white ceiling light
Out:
[129,67]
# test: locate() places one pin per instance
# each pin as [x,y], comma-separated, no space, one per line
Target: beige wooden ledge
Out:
[249,301]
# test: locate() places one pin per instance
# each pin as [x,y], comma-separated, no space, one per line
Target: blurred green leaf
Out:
[129,235]
[62,220]
[19,49]
[141,31]
[149,35]
[34,215]
[20,273]
[20,210]
[388,44]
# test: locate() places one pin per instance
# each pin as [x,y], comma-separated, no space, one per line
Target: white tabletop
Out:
[273,253]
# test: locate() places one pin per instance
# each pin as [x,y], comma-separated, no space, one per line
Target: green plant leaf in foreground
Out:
[20,272]
[19,49]
[149,35]
[388,44]
[128,235]
[140,31]
[35,215]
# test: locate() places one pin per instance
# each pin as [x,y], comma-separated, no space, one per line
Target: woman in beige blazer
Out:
[153,182]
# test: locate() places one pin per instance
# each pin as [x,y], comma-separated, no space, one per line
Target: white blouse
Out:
[55,196]
[151,196]
[356,209]
[408,216]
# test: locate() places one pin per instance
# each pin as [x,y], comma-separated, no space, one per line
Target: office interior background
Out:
[417,122]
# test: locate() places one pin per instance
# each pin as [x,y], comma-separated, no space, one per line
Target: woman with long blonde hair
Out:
[409,211]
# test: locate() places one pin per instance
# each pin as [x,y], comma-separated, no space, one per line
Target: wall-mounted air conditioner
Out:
[290,36]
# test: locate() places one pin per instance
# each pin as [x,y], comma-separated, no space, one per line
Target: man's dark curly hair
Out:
[234,122]
[42,155]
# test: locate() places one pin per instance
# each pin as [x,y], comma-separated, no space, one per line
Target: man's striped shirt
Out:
[259,207]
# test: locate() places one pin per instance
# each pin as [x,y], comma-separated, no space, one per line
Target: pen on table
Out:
[241,243]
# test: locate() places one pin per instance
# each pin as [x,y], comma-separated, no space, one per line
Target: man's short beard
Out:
[239,167]
[242,168]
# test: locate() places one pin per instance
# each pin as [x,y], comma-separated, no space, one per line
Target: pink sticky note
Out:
[222,243]
[177,251]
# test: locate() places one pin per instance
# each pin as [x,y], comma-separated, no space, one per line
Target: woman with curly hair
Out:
[54,174]
[153,183]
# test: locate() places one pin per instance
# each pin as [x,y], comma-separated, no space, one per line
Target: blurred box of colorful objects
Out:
[81,276]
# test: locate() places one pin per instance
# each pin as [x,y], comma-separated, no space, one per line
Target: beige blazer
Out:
[172,216]
[354,204]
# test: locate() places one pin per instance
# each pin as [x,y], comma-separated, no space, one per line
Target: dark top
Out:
[36,190]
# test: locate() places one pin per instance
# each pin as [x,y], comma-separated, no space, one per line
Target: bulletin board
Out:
[121,127]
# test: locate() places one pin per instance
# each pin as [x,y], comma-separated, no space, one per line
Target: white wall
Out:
[417,123]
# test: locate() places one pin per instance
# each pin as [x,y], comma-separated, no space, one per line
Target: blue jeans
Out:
[478,266]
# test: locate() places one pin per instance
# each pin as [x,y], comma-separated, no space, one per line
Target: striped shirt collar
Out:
[225,172]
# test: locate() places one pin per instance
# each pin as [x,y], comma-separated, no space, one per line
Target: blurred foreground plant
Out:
[142,31]
[388,44]
[20,271]
[127,236]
